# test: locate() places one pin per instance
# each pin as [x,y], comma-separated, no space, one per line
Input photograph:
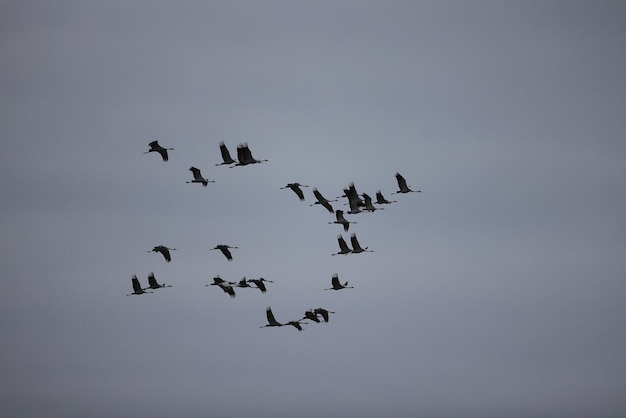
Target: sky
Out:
[496,291]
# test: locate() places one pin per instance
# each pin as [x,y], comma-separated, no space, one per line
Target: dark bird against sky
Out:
[271,321]
[296,189]
[341,220]
[321,200]
[336,284]
[137,289]
[260,283]
[403,188]
[356,247]
[343,247]
[165,251]
[225,250]
[226,158]
[155,147]
[244,156]
[153,284]
[197,177]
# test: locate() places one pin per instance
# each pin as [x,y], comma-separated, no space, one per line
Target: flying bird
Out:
[341,220]
[244,156]
[217,280]
[153,284]
[368,203]
[402,185]
[343,247]
[155,147]
[354,201]
[164,251]
[296,189]
[197,177]
[226,158]
[227,287]
[137,290]
[337,285]
[296,324]
[323,312]
[356,247]
[271,321]
[381,200]
[243,282]
[321,200]
[225,250]
[310,314]
[259,283]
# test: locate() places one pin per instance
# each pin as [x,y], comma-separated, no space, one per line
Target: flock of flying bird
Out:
[356,202]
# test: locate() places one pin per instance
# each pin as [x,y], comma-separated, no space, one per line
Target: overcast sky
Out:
[497,291]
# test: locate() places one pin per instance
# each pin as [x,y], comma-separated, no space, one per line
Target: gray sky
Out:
[497,291]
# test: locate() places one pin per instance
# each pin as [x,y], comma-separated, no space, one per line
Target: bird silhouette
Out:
[244,156]
[323,312]
[402,185]
[164,251]
[354,201]
[227,287]
[226,158]
[296,324]
[225,250]
[336,284]
[271,321]
[341,220]
[296,189]
[259,283]
[155,147]
[321,200]
[343,247]
[243,282]
[310,314]
[137,290]
[368,203]
[197,177]
[153,284]
[356,247]
[380,199]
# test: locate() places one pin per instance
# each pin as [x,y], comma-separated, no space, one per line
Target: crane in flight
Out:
[343,247]
[226,158]
[164,251]
[380,199]
[368,203]
[402,185]
[243,282]
[310,314]
[227,287]
[260,283]
[321,200]
[336,284]
[296,189]
[341,220]
[323,312]
[155,147]
[271,321]
[356,247]
[244,156]
[153,284]
[225,250]
[354,201]
[137,290]
[197,177]
[296,324]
